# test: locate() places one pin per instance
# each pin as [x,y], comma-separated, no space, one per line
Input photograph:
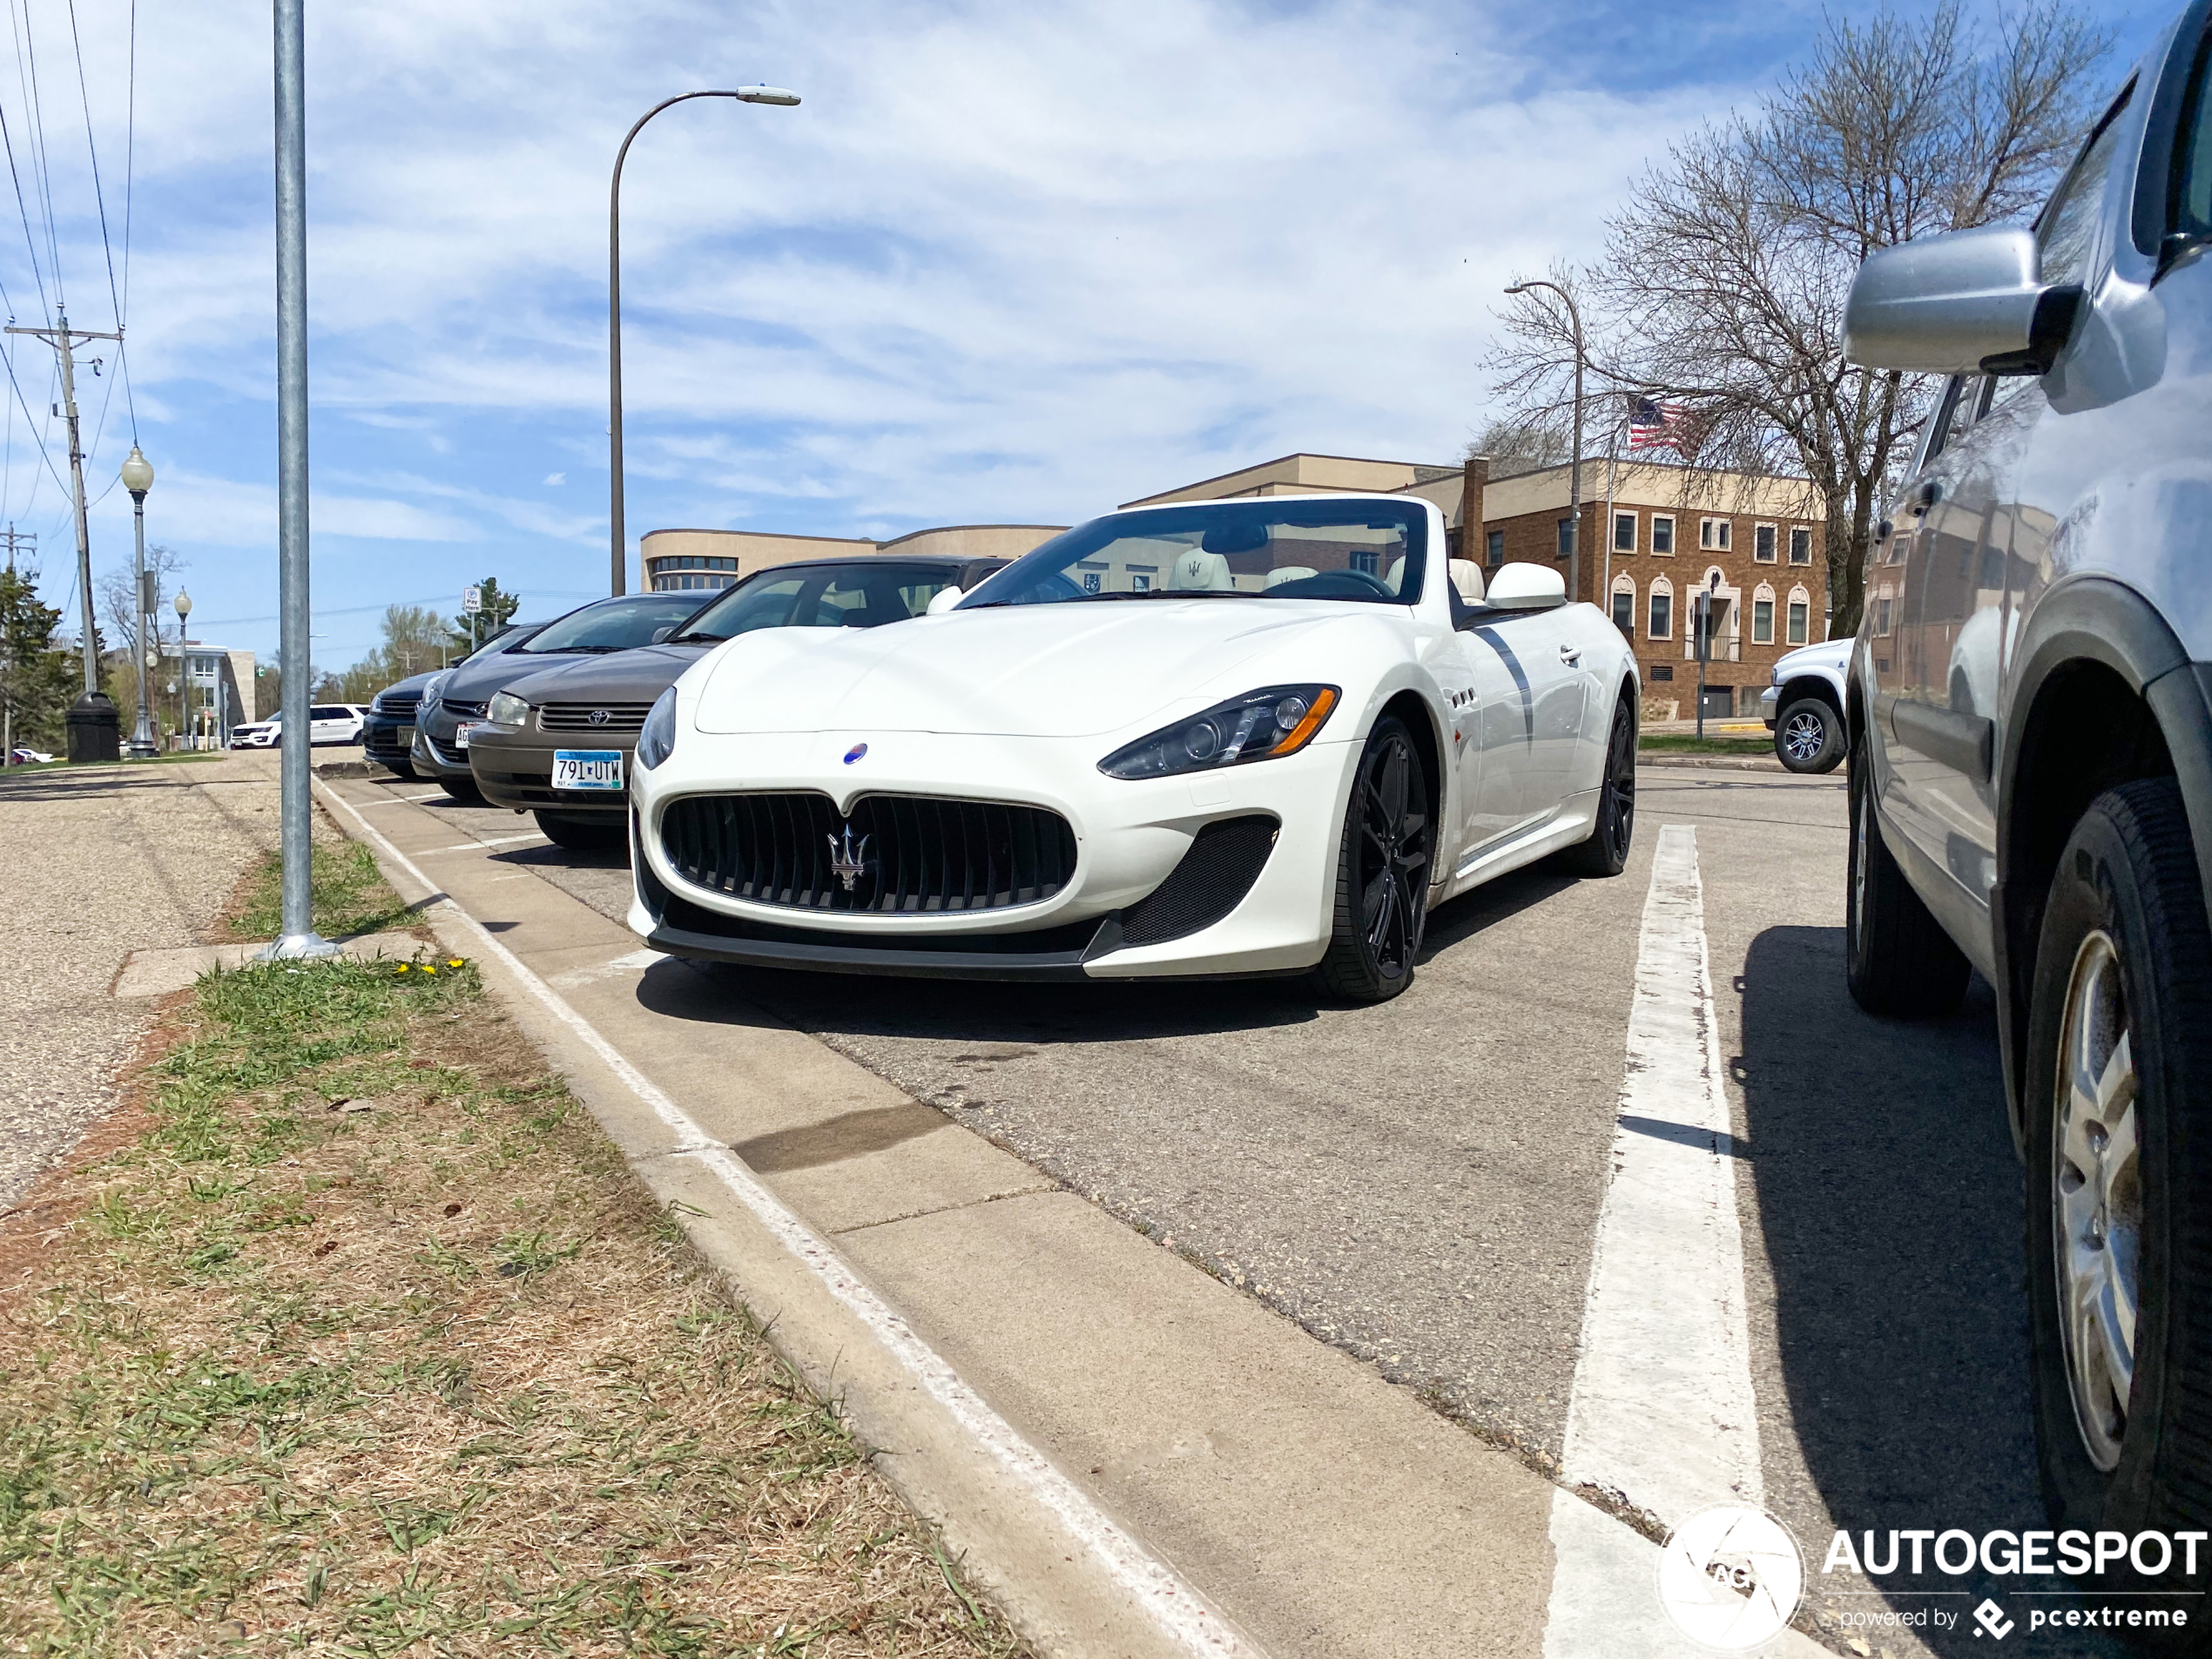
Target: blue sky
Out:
[1005,262]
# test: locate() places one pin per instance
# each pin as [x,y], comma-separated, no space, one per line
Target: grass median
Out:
[368,1339]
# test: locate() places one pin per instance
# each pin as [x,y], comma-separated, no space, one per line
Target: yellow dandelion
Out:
[429,969]
[403,967]
[455,963]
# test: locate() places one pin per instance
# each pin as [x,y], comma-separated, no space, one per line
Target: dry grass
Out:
[422,1369]
[349,895]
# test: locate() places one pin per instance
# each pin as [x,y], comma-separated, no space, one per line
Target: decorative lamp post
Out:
[183,603]
[137,478]
[1575,477]
[744,95]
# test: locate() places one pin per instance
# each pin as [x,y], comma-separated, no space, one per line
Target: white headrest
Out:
[1467,577]
[1197,571]
[1283,573]
[1397,574]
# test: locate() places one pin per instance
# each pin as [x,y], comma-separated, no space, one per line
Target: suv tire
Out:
[1383,862]
[1897,958]
[1809,736]
[2117,1112]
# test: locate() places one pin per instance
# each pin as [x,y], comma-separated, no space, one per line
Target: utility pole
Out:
[63,339]
[27,539]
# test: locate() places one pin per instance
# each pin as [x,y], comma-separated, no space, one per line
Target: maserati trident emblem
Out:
[848,863]
[600,716]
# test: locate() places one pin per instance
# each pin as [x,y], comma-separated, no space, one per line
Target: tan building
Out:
[678,559]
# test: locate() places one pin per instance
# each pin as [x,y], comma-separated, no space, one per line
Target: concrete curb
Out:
[1716,763]
[1071,1578]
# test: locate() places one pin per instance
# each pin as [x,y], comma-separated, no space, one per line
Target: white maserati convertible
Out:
[1261,736]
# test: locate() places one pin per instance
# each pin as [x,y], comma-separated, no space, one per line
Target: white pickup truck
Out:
[1804,707]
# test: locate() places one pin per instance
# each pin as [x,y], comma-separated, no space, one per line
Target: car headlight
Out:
[430,694]
[656,737]
[506,709]
[1274,721]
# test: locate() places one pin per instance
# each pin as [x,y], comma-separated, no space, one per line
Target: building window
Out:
[1493,547]
[1762,548]
[1762,615]
[1366,560]
[1800,545]
[1624,532]
[1712,535]
[1882,614]
[1801,615]
[1663,670]
[1663,534]
[1662,611]
[1624,606]
[1566,536]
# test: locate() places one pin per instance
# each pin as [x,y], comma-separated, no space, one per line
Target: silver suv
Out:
[2030,708]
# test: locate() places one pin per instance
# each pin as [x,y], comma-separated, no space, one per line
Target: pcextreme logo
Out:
[1730,1577]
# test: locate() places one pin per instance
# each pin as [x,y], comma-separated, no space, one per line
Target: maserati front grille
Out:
[896,855]
[608,718]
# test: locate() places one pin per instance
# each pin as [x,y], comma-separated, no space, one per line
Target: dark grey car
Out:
[559,742]
[454,703]
[2031,770]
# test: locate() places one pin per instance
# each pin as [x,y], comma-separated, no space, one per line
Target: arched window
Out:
[1762,615]
[1801,615]
[1624,606]
[1662,610]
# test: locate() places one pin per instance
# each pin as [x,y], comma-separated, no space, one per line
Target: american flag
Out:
[1654,425]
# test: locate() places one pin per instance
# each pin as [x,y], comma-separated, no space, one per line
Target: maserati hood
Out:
[1050,670]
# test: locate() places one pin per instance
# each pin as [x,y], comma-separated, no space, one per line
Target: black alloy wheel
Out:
[2117,1111]
[1382,871]
[1606,852]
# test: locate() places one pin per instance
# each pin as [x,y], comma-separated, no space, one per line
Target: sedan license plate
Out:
[587,769]
[460,734]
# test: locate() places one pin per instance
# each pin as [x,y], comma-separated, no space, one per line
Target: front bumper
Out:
[513,767]
[1131,838]
[388,739]
[1770,704]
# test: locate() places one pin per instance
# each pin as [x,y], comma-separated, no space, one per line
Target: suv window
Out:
[2066,231]
[2189,205]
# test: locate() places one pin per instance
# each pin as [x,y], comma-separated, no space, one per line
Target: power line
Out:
[29,241]
[92,152]
[27,61]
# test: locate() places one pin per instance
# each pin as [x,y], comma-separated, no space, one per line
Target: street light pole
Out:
[1575,475]
[183,603]
[296,935]
[744,95]
[137,478]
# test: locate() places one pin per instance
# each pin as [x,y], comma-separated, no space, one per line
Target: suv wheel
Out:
[2118,1116]
[1897,958]
[1809,736]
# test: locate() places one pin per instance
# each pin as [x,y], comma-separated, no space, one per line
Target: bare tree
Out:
[1725,274]
[1515,447]
[119,599]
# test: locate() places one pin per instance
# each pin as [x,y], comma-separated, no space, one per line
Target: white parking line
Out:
[1661,1413]
[401,800]
[489,840]
[1173,1605]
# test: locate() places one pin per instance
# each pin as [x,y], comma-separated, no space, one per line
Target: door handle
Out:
[1570,655]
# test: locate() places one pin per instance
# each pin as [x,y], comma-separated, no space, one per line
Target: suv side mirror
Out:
[941,601]
[660,634]
[1526,587]
[1968,302]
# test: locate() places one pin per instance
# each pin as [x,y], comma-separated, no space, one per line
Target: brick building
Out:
[1669,531]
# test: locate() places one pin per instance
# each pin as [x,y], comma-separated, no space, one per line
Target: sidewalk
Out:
[104,861]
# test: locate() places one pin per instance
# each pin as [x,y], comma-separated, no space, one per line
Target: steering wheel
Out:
[1334,584]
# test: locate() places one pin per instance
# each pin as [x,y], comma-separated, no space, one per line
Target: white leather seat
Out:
[1467,577]
[1197,571]
[1283,573]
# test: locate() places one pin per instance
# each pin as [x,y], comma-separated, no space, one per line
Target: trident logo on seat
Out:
[848,863]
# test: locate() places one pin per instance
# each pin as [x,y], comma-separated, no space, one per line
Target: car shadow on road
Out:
[1889,1197]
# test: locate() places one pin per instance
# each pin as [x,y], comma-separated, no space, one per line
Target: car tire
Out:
[2120,1057]
[583,834]
[1383,859]
[1809,736]
[1898,960]
[397,768]
[1606,850]
[461,789]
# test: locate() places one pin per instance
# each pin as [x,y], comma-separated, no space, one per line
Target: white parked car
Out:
[327,723]
[1225,738]
[254,734]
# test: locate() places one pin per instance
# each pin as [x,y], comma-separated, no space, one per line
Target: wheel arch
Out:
[2102,693]
[1421,720]
[1819,686]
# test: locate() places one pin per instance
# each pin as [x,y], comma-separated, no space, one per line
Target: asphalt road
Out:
[1419,1184]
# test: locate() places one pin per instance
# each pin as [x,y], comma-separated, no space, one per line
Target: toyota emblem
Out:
[600,716]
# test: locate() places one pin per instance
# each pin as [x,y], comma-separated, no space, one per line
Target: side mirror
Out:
[660,634]
[943,600]
[1526,587]
[1965,303]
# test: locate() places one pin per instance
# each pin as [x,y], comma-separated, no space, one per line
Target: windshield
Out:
[1363,551]
[613,624]
[822,596]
